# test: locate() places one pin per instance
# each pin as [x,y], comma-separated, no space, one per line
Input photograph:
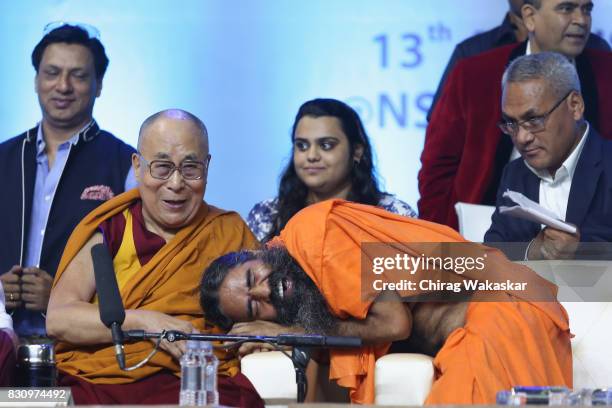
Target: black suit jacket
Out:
[589,204]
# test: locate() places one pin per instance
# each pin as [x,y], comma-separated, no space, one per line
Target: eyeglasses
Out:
[91,31]
[190,169]
[531,125]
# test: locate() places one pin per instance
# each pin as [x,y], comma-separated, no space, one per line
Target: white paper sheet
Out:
[532,211]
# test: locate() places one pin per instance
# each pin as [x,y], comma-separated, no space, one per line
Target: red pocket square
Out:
[101,193]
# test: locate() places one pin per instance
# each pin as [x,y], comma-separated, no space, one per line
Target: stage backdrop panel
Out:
[245,67]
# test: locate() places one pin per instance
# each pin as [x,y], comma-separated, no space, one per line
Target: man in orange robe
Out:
[495,340]
[161,237]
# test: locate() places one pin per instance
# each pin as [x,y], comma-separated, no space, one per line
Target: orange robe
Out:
[167,283]
[502,343]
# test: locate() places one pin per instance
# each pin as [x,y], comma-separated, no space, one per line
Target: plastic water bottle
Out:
[209,375]
[192,367]
[590,397]
[533,395]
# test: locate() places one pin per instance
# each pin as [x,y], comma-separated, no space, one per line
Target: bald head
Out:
[163,117]
[171,168]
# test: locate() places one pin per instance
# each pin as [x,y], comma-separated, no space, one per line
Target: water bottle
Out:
[209,375]
[192,367]
[533,395]
[590,397]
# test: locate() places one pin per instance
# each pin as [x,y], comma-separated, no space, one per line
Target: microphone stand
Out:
[300,354]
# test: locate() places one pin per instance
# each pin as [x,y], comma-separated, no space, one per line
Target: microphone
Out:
[112,313]
[306,340]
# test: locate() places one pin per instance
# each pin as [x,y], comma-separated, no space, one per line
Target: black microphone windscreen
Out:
[315,340]
[109,299]
[339,341]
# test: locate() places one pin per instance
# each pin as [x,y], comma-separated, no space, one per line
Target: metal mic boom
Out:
[305,340]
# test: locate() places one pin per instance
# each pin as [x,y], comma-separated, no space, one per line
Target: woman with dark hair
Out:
[332,158]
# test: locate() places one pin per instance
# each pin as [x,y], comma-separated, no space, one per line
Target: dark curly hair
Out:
[292,192]
[70,34]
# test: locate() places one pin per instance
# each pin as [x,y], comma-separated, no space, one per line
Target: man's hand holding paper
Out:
[558,240]
[551,243]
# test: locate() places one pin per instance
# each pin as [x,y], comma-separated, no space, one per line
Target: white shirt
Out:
[555,189]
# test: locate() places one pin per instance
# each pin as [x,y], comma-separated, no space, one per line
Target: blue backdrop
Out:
[244,67]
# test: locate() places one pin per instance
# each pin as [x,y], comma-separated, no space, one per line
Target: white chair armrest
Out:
[272,375]
[403,379]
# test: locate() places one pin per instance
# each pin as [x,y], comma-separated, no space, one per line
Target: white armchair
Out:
[580,282]
[400,378]
[474,220]
[272,375]
[591,323]
[403,379]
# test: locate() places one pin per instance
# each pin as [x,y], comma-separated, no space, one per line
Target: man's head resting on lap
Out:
[171,167]
[263,285]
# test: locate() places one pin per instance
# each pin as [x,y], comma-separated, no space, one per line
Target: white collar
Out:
[528,51]
[40,140]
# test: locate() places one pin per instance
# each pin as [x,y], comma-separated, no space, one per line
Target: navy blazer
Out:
[589,205]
